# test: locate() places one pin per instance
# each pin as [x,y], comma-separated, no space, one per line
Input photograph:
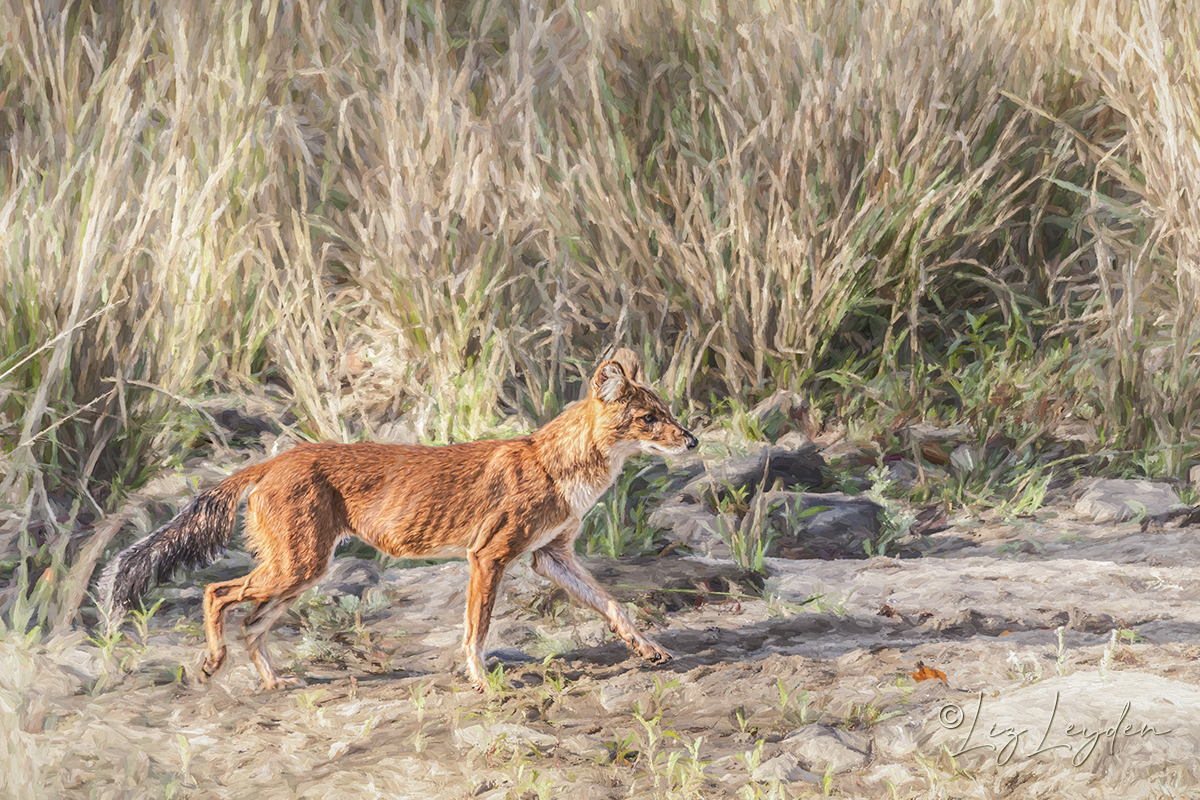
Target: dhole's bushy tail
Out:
[195,538]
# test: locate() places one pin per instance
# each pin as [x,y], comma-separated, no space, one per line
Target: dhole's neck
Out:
[580,459]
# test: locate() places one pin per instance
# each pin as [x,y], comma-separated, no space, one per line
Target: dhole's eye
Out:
[650,419]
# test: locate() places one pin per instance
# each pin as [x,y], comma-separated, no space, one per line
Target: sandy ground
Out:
[803,686]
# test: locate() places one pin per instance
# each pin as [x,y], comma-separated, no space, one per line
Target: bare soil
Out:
[804,685]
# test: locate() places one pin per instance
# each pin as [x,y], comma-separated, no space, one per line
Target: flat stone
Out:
[623,693]
[837,529]
[674,584]
[964,459]
[694,525]
[351,576]
[1108,500]
[509,733]
[793,440]
[904,472]
[890,777]
[749,474]
[823,749]
[783,412]
[510,655]
[896,739]
[784,768]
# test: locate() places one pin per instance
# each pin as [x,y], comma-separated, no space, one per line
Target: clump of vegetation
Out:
[443,214]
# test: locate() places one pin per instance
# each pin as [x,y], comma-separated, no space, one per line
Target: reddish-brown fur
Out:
[489,501]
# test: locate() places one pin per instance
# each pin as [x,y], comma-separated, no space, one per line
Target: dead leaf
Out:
[931,519]
[925,673]
[934,453]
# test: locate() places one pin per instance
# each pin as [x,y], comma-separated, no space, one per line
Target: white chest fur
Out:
[582,495]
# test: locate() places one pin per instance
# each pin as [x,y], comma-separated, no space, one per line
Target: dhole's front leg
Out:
[486,572]
[557,562]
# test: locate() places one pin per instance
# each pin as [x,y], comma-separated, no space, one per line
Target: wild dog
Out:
[488,501]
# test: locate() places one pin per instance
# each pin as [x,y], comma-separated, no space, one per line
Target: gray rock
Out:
[821,749]
[234,564]
[510,655]
[896,739]
[890,777]
[673,584]
[509,733]
[749,474]
[582,745]
[784,768]
[84,665]
[964,459]
[783,412]
[904,472]
[838,528]
[350,576]
[1105,500]
[696,526]
[662,479]
[793,440]
[624,692]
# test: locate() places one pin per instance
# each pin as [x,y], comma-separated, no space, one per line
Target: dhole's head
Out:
[630,413]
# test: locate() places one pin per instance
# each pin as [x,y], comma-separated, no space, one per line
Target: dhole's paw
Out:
[282,683]
[475,677]
[211,665]
[651,651]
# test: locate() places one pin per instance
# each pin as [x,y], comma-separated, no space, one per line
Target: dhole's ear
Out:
[630,363]
[609,382]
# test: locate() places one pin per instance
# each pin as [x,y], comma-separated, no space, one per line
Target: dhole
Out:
[489,501]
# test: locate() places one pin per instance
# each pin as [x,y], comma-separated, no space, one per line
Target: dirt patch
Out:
[798,686]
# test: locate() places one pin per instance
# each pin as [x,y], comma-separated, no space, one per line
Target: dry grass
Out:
[443,213]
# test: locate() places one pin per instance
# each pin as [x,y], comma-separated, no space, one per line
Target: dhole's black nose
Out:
[692,442]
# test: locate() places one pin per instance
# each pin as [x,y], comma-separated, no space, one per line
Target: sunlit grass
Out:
[439,214]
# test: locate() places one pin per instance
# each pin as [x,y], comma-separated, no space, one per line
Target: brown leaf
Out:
[934,453]
[925,673]
[930,519]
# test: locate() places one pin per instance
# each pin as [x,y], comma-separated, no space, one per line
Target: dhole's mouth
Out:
[655,448]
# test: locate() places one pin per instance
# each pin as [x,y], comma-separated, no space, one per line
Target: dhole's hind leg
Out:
[218,597]
[268,595]
[271,599]
[255,626]
[294,529]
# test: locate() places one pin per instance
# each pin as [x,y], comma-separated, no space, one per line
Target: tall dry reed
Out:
[446,212]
